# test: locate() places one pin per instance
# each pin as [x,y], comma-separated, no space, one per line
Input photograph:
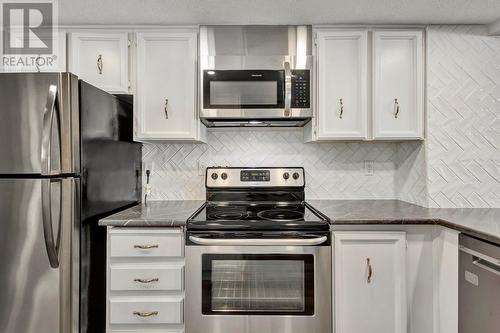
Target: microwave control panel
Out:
[301,86]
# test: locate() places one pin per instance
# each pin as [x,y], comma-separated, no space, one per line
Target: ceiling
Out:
[117,12]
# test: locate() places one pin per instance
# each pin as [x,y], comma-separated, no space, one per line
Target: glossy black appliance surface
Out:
[271,202]
[110,182]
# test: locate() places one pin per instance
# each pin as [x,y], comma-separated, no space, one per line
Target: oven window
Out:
[243,93]
[258,284]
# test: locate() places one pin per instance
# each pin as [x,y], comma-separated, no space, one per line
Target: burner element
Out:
[281,215]
[228,215]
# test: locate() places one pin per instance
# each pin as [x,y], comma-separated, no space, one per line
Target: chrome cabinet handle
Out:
[166,108]
[146,280]
[99,63]
[145,314]
[49,112]
[288,89]
[341,102]
[146,247]
[396,108]
[370,271]
[51,243]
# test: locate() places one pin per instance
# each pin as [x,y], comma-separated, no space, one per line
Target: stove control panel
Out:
[254,177]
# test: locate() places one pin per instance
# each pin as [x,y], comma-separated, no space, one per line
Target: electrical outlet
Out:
[202,167]
[369,168]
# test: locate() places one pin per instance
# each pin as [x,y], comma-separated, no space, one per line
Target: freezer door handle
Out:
[49,112]
[51,243]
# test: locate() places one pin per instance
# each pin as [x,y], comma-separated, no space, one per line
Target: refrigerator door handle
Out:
[49,112]
[48,232]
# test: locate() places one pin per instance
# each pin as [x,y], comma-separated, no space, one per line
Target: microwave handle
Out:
[288,89]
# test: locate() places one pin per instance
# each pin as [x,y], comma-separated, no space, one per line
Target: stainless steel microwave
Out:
[279,97]
[255,75]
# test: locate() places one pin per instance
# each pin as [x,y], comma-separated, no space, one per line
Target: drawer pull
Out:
[146,280]
[341,102]
[146,247]
[145,314]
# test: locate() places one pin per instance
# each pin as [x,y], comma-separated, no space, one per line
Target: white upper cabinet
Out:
[369,85]
[342,103]
[166,99]
[369,282]
[101,59]
[398,92]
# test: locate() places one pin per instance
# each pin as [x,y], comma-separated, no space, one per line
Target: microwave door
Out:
[243,89]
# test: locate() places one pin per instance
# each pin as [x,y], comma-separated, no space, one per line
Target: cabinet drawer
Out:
[143,311]
[166,245]
[138,278]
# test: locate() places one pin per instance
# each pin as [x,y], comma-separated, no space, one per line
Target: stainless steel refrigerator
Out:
[67,159]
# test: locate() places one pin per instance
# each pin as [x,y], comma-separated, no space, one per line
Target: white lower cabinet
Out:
[145,280]
[369,285]
[146,311]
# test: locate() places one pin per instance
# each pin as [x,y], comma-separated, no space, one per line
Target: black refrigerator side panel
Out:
[105,116]
[110,182]
[111,176]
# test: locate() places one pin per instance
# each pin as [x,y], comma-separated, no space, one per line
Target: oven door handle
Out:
[257,241]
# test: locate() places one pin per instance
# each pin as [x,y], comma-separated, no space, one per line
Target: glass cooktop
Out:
[261,216]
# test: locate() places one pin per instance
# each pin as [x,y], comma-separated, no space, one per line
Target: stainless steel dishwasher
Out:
[479,286]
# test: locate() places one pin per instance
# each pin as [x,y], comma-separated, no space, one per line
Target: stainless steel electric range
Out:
[258,257]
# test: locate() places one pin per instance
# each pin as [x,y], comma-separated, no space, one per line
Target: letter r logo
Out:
[27,27]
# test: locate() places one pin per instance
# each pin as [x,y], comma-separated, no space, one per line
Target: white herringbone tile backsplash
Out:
[463,117]
[333,170]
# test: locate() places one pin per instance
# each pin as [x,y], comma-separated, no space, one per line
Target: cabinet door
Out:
[342,58]
[398,99]
[166,86]
[101,59]
[369,282]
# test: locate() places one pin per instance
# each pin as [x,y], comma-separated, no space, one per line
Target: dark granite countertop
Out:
[168,213]
[479,222]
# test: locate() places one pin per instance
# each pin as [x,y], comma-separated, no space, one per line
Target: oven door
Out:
[274,283]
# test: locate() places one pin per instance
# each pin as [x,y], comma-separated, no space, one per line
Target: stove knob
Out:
[286,175]
[295,175]
[223,176]
[214,176]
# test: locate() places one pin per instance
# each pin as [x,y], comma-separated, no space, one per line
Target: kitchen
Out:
[250,166]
